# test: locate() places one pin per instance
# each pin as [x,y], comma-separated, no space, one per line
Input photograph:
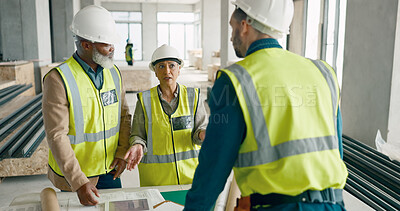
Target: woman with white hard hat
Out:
[168,126]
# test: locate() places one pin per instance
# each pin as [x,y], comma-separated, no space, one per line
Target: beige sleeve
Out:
[56,122]
[125,127]
[201,122]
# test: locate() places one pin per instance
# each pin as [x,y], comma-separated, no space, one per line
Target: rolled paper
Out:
[48,198]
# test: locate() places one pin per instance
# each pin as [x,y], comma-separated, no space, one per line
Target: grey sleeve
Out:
[138,130]
[200,123]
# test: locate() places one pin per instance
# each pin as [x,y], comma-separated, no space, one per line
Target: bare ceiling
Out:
[156,1]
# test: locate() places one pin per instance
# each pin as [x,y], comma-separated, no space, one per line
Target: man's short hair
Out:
[239,15]
[78,41]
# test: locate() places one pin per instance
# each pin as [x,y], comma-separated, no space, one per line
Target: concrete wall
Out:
[122,6]
[25,32]
[394,112]
[149,31]
[211,29]
[62,13]
[43,33]
[175,7]
[11,29]
[1,40]
[227,52]
[85,3]
[296,37]
[368,67]
[197,6]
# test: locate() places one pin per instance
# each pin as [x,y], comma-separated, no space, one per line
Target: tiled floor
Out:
[15,186]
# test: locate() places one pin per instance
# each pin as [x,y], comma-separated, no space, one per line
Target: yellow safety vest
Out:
[171,157]
[128,53]
[94,118]
[289,105]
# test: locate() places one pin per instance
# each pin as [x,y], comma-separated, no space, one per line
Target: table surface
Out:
[175,193]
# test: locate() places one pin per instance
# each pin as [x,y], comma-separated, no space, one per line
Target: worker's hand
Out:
[202,135]
[119,165]
[85,194]
[133,156]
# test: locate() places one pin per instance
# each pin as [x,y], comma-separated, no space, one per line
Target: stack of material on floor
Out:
[45,69]
[214,66]
[136,78]
[28,136]
[21,137]
[373,177]
[11,92]
[195,58]
[22,72]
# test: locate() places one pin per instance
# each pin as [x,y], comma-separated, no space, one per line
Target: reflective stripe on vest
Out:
[150,157]
[80,136]
[266,153]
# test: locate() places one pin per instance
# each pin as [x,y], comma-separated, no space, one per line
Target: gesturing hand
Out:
[133,156]
[85,194]
[120,167]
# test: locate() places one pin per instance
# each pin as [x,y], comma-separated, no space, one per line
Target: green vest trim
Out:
[267,153]
[150,157]
[80,136]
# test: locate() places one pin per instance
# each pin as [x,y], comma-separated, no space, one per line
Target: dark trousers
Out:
[106,181]
[304,206]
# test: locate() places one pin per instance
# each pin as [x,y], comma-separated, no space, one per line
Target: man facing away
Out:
[282,136]
[87,120]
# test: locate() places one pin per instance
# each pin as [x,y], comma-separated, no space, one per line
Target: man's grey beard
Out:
[104,61]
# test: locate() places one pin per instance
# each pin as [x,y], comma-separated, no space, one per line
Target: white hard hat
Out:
[272,17]
[95,24]
[165,52]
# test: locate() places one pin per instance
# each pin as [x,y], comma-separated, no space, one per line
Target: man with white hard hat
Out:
[283,137]
[86,118]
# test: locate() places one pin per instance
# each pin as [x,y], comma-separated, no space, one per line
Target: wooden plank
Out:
[6,83]
[20,71]
[35,165]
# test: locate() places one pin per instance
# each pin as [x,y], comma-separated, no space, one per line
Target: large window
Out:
[325,32]
[129,26]
[178,29]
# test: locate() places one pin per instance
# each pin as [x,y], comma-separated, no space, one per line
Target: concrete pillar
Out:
[85,3]
[394,112]
[227,52]
[62,13]
[26,32]
[297,29]
[371,85]
[1,40]
[211,29]
[149,22]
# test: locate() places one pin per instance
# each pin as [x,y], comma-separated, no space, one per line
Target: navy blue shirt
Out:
[95,76]
[225,132]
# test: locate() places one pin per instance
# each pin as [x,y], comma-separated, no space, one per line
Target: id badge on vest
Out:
[109,97]
[181,123]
